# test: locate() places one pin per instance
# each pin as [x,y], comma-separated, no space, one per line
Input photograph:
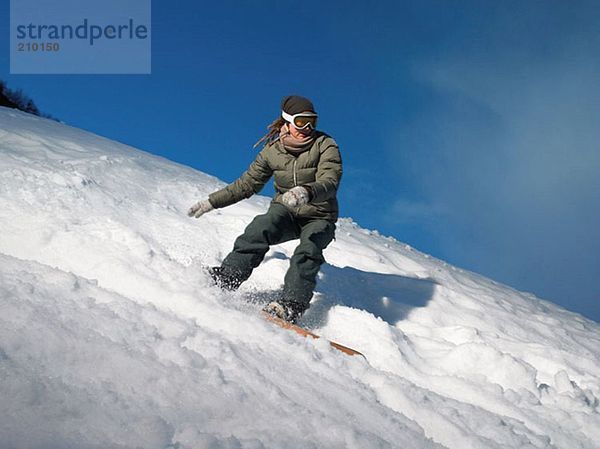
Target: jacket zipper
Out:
[295,181]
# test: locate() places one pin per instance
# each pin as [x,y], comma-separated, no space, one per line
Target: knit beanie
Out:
[295,104]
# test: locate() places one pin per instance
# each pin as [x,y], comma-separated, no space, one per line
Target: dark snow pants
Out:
[279,225]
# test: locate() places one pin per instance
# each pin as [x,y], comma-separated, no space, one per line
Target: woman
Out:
[307,167]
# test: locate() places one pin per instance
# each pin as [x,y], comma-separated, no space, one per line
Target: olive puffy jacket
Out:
[319,168]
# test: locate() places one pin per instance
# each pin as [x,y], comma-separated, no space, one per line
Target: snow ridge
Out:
[112,337]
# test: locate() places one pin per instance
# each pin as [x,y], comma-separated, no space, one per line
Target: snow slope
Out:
[112,337]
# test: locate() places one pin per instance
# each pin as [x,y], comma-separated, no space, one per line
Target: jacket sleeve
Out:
[329,174]
[252,181]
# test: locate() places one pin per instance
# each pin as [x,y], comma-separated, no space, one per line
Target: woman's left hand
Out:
[298,196]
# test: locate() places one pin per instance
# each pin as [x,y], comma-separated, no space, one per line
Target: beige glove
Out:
[200,208]
[298,196]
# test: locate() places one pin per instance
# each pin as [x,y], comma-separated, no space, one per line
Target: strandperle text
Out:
[83,31]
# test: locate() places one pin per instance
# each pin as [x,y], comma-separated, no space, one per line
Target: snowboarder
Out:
[307,167]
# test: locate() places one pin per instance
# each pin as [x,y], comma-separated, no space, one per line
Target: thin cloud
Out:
[511,155]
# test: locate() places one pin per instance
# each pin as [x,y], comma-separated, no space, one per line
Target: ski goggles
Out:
[302,120]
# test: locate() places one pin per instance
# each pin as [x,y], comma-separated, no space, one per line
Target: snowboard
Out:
[306,333]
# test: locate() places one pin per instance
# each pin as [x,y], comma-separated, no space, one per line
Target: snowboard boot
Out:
[226,278]
[287,311]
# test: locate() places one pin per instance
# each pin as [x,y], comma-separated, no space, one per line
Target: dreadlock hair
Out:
[273,128]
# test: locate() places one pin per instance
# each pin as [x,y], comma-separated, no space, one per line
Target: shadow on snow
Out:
[388,296]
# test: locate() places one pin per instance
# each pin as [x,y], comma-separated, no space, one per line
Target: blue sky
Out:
[468,129]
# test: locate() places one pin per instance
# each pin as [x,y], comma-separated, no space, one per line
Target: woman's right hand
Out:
[200,208]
